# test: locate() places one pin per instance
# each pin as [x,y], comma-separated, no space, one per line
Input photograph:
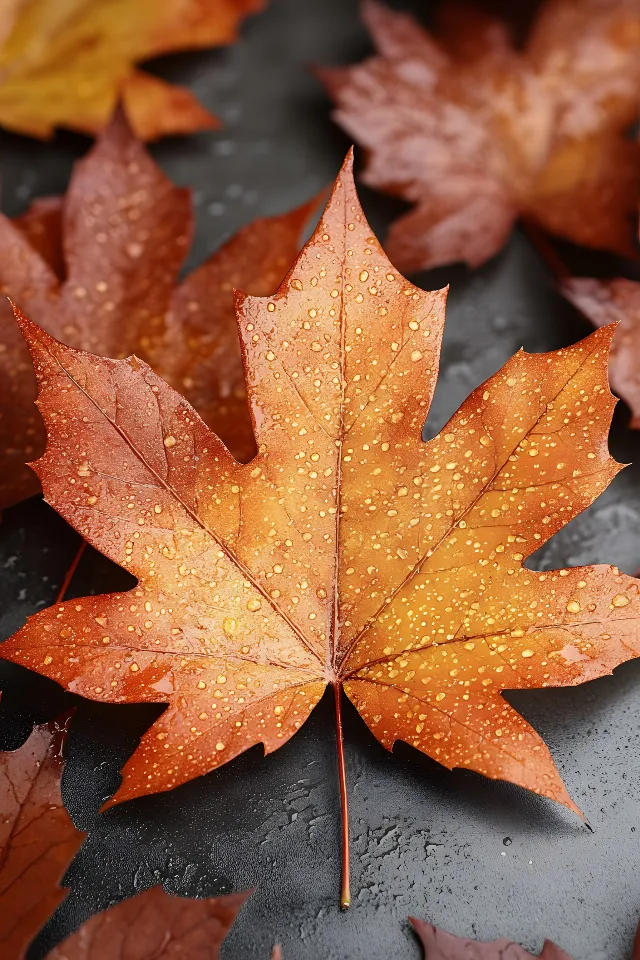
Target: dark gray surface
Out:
[425,841]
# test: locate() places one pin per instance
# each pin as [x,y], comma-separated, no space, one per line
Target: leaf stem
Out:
[546,250]
[68,577]
[345,892]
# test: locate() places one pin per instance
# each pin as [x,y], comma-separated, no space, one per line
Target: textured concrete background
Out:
[479,858]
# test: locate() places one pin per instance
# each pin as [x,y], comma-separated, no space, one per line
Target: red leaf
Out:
[37,839]
[99,269]
[475,133]
[154,926]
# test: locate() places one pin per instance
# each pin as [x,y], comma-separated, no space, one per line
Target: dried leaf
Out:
[66,65]
[611,301]
[37,839]
[348,551]
[439,945]
[99,270]
[475,133]
[154,926]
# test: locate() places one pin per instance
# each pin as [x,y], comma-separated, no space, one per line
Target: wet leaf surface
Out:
[348,551]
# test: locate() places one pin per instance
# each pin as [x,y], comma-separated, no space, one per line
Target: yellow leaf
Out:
[65,63]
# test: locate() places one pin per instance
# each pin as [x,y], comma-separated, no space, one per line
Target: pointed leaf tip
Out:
[346,170]
[31,332]
[118,125]
[21,318]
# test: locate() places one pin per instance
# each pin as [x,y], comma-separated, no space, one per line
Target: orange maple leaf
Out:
[475,133]
[99,269]
[67,64]
[348,552]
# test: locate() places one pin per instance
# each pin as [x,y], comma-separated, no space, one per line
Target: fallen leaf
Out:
[99,270]
[605,302]
[439,945]
[475,133]
[348,552]
[66,65]
[37,839]
[154,926]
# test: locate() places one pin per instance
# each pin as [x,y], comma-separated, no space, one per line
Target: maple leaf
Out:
[38,842]
[440,945]
[348,551]
[99,270]
[475,133]
[66,65]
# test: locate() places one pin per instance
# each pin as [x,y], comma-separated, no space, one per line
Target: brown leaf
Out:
[66,65]
[475,133]
[154,926]
[99,271]
[439,945]
[37,839]
[605,302]
[348,551]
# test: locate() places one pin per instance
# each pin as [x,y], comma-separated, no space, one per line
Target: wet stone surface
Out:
[477,857]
